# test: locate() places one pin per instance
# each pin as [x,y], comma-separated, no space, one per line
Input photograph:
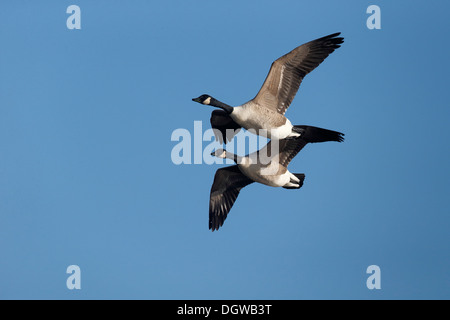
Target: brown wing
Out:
[289,149]
[287,72]
[227,184]
[223,126]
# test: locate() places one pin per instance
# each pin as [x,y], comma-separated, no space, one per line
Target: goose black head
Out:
[203,99]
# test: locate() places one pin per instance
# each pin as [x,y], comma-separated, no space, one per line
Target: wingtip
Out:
[333,35]
[332,40]
[214,226]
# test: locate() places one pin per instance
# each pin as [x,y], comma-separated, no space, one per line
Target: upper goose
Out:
[265,112]
[263,167]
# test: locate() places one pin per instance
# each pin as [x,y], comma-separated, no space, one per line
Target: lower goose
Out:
[264,166]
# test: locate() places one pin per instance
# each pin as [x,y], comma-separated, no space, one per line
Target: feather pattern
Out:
[227,184]
[287,72]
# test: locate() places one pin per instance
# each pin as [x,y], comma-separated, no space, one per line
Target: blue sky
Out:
[86,176]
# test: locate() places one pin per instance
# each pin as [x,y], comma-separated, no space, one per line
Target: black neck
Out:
[223,106]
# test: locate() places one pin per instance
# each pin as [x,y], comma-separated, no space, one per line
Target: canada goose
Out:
[273,172]
[264,114]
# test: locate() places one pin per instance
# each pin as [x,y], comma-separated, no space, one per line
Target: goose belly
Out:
[262,121]
[270,176]
[281,132]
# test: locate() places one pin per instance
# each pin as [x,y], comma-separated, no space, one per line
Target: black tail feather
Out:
[314,134]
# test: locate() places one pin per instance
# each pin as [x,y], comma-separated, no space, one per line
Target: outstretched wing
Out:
[287,72]
[224,127]
[227,184]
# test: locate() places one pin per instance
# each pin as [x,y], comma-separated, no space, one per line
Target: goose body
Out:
[264,114]
[269,171]
[268,166]
[263,121]
[281,176]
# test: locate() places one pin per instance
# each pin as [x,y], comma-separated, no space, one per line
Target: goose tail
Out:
[315,134]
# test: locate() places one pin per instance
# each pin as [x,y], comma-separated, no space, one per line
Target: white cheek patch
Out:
[207,100]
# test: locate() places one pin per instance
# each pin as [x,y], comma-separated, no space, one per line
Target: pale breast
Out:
[256,117]
[272,175]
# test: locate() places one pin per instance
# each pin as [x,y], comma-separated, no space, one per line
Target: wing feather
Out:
[287,72]
[227,184]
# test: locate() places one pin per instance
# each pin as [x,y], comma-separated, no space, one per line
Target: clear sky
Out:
[86,176]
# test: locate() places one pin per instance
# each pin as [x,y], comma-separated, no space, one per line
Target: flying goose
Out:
[262,166]
[264,114]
